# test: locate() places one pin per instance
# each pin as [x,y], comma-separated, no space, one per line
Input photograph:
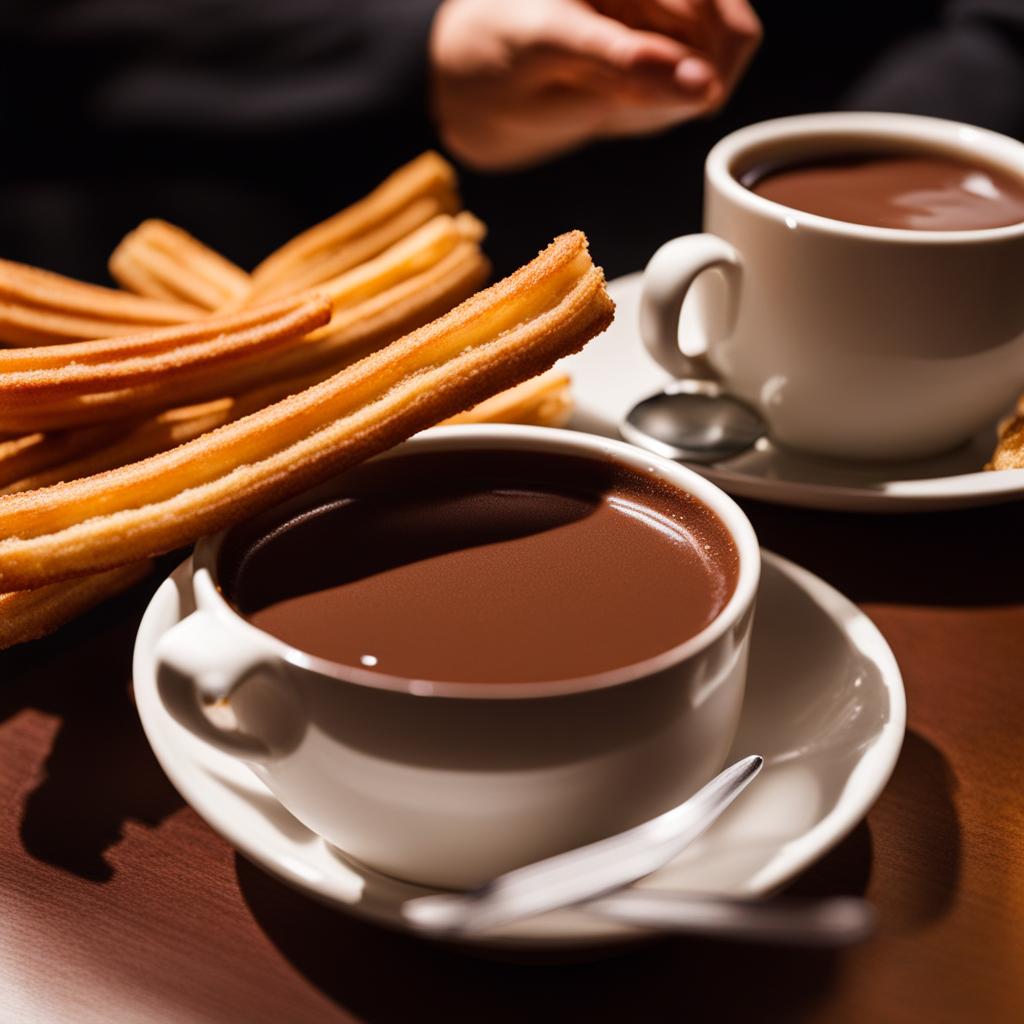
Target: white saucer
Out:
[825,706]
[614,372]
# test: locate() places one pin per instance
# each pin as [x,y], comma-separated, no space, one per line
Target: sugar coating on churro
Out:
[1009,452]
[494,340]
[417,279]
[144,420]
[39,385]
[39,307]
[162,261]
[411,196]
[31,614]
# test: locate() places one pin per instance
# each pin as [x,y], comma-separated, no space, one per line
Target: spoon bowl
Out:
[693,421]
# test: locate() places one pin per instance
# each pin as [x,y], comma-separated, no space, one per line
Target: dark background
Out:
[246,122]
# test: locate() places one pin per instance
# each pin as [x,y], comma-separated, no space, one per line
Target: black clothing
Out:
[241,120]
[246,121]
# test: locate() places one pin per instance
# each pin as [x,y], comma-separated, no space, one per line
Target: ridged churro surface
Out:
[133,421]
[30,614]
[500,337]
[1009,453]
[162,261]
[411,196]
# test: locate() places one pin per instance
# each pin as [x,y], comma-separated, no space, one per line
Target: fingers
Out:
[621,64]
[722,34]
[515,83]
[741,36]
[694,74]
[650,66]
[727,32]
[576,28]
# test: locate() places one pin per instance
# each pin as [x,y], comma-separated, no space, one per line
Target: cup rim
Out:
[209,597]
[966,139]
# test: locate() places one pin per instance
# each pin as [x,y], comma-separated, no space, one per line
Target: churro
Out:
[162,261]
[409,197]
[1009,453]
[417,280]
[356,330]
[408,257]
[498,338]
[49,396]
[38,307]
[107,362]
[154,341]
[52,459]
[544,401]
[30,614]
[21,457]
[139,441]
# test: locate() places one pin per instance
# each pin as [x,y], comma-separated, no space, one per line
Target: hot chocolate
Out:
[919,191]
[488,566]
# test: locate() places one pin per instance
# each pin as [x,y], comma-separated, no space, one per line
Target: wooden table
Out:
[118,904]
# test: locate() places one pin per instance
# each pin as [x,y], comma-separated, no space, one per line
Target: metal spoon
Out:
[693,421]
[586,872]
[781,921]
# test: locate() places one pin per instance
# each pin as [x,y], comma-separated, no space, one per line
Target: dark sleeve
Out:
[213,64]
[244,121]
[970,68]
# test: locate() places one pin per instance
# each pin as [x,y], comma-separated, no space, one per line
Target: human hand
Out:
[516,83]
[725,32]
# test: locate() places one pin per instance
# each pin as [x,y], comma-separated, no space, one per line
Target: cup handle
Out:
[667,278]
[206,664]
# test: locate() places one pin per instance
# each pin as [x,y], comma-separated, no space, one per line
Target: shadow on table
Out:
[100,771]
[386,977]
[957,558]
[923,862]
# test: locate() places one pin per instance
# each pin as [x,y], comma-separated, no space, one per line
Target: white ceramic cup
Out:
[450,784]
[852,341]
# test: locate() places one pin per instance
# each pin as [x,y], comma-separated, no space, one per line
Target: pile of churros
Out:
[135,420]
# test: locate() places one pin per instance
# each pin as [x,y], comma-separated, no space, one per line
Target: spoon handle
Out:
[838,921]
[580,874]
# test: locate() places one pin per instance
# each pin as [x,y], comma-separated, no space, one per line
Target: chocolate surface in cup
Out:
[488,566]
[917,191]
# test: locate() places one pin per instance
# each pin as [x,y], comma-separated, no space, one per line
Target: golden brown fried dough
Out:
[411,196]
[146,342]
[38,307]
[136,441]
[1009,453]
[544,401]
[36,386]
[30,614]
[34,453]
[51,396]
[500,337]
[162,261]
[362,329]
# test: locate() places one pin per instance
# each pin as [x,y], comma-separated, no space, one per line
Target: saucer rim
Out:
[957,490]
[861,790]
